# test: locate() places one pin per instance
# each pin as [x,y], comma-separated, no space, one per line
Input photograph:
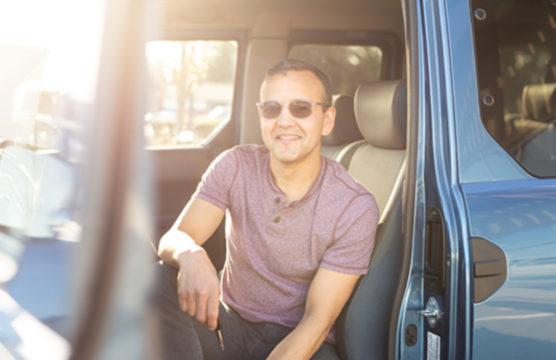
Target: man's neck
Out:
[295,179]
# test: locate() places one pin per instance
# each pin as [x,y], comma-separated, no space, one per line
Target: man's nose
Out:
[285,118]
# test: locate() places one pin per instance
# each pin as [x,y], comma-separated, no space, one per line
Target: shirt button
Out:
[277,200]
[276,219]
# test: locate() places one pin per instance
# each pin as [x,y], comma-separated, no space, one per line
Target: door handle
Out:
[432,312]
[490,268]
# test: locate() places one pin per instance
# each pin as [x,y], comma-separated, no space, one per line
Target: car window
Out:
[192,87]
[516,59]
[347,66]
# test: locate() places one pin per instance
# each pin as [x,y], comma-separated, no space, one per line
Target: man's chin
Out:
[286,158]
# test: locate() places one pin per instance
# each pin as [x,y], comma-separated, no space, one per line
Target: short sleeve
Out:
[218,179]
[354,237]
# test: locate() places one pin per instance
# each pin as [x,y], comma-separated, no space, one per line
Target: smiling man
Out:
[300,234]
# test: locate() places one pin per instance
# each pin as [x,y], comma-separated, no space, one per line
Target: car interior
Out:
[369,138]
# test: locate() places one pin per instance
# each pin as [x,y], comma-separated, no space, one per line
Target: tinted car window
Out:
[347,66]
[515,49]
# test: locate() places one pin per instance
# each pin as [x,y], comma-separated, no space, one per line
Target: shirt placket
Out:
[276,221]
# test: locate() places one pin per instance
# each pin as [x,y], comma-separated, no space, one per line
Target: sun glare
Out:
[54,43]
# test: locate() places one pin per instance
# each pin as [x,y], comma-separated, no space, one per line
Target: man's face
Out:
[288,138]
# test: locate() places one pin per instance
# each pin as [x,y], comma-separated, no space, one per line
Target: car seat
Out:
[378,163]
[345,129]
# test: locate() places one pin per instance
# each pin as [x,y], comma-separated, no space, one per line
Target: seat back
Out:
[345,131]
[539,101]
[381,116]
[362,330]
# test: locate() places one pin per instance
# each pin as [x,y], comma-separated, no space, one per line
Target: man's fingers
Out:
[202,297]
[183,302]
[212,311]
[191,304]
[199,292]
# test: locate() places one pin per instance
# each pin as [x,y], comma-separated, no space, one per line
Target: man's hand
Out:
[198,287]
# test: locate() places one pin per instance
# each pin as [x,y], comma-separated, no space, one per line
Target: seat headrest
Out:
[345,129]
[380,110]
[539,101]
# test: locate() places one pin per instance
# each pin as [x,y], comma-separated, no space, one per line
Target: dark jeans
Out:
[184,338]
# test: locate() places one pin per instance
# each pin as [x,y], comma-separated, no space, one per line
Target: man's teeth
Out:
[287,137]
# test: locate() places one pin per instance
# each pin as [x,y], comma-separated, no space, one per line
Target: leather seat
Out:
[538,109]
[345,131]
[380,111]
[539,101]
[378,163]
[535,149]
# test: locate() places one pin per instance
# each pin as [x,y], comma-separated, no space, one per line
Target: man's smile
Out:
[287,138]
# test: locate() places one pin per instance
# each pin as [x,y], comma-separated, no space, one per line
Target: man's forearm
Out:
[174,243]
[327,295]
[304,340]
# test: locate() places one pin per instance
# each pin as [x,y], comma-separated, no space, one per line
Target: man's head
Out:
[283,66]
[295,112]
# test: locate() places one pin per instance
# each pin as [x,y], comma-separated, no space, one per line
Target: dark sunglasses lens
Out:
[301,109]
[271,110]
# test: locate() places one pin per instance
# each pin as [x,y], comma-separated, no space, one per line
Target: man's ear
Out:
[329,120]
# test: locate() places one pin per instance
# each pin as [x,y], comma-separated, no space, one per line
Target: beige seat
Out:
[536,148]
[345,131]
[539,102]
[537,112]
[381,117]
[378,163]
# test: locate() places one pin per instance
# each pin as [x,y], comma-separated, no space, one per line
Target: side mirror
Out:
[36,190]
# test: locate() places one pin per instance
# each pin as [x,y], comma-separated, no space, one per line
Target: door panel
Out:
[511,202]
[519,320]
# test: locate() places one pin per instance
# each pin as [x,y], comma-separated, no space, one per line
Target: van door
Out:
[483,271]
[510,190]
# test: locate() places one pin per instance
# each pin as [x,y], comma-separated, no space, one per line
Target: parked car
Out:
[446,113]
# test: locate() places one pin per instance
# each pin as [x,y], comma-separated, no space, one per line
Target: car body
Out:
[465,265]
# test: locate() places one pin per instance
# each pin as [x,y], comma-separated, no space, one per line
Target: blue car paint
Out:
[437,185]
[510,208]
[43,283]
[519,320]
[483,193]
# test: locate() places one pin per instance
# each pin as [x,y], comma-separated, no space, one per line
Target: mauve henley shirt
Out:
[274,248]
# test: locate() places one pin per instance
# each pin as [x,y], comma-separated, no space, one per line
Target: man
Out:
[299,236]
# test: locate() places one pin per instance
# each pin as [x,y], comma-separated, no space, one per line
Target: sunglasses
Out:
[298,108]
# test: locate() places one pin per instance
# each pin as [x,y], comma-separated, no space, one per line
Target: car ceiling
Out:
[307,14]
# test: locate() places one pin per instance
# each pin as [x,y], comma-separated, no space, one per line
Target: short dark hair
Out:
[283,66]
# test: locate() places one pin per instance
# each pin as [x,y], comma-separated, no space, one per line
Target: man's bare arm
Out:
[198,285]
[328,293]
[199,219]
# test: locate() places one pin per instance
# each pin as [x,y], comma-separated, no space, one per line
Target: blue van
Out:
[110,113]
